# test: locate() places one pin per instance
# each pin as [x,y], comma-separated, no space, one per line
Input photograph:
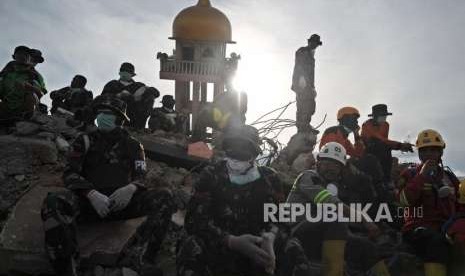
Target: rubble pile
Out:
[33,159]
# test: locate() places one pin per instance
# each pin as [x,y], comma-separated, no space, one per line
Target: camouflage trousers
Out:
[305,109]
[195,259]
[62,211]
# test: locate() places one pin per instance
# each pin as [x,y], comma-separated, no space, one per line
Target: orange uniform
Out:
[339,134]
[379,131]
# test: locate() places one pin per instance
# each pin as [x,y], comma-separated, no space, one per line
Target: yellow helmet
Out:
[430,138]
[347,110]
[461,199]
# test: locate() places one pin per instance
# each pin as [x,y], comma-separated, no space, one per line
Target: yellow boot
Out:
[333,257]
[435,269]
[380,269]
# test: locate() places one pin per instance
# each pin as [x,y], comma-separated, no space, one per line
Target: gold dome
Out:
[202,22]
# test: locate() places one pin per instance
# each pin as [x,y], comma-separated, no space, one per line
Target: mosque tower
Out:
[199,65]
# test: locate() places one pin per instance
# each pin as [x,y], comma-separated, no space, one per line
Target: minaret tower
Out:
[201,33]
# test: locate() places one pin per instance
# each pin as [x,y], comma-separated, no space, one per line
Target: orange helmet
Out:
[347,110]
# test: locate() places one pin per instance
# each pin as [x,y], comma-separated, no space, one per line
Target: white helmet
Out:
[333,151]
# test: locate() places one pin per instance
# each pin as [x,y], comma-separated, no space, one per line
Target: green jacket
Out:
[10,81]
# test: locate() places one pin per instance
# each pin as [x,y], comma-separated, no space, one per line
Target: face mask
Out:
[381,119]
[125,76]
[106,122]
[242,179]
[237,167]
[347,129]
[75,90]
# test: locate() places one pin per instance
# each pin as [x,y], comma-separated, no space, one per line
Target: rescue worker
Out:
[226,112]
[140,105]
[348,123]
[19,89]
[331,242]
[375,133]
[303,83]
[37,58]
[104,180]
[166,118]
[125,85]
[433,187]
[138,97]
[72,98]
[225,217]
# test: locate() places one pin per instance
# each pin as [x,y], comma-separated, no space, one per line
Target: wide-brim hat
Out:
[244,133]
[379,110]
[113,104]
[36,55]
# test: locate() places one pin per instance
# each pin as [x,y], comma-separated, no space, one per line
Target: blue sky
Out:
[407,54]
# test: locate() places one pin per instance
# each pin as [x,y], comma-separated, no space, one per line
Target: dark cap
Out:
[315,38]
[168,99]
[114,104]
[379,110]
[36,55]
[127,67]
[22,49]
[245,133]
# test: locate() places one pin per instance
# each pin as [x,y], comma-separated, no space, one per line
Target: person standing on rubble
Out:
[227,233]
[166,118]
[331,242]
[104,178]
[20,90]
[303,83]
[433,187]
[138,97]
[71,98]
[375,133]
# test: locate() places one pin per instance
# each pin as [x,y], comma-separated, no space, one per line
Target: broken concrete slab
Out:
[22,238]
[39,151]
[26,128]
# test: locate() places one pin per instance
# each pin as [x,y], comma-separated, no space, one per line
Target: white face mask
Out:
[241,172]
[381,119]
[236,166]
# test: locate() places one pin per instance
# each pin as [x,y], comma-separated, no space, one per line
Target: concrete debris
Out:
[26,128]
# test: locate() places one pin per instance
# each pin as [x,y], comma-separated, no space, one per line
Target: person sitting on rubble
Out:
[433,187]
[20,90]
[104,178]
[139,98]
[71,98]
[227,233]
[366,163]
[227,111]
[37,58]
[332,242]
[375,133]
[166,118]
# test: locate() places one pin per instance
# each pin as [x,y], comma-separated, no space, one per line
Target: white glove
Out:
[445,191]
[100,202]
[121,197]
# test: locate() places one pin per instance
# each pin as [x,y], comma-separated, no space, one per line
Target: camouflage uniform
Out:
[104,162]
[71,99]
[166,120]
[219,208]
